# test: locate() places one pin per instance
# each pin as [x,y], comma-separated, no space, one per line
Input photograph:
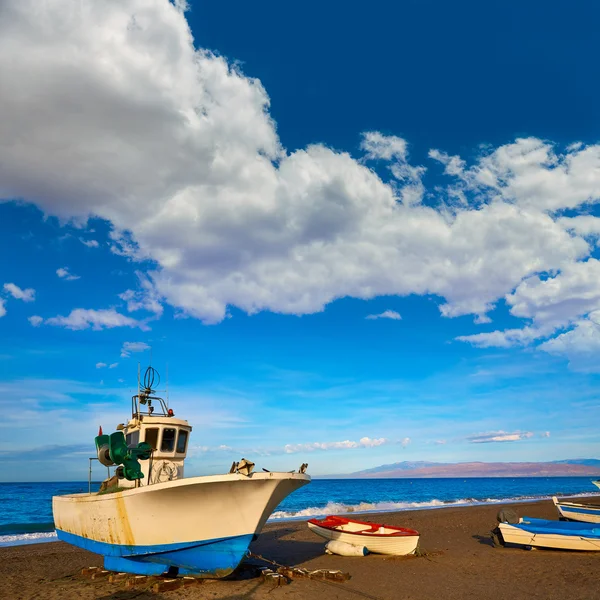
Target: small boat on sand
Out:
[541,533]
[585,513]
[157,521]
[375,537]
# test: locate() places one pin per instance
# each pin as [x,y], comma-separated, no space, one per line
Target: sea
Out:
[26,508]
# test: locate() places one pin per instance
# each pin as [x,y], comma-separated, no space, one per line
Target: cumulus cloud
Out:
[499,436]
[113,365]
[405,442]
[129,347]
[2,309]
[176,149]
[81,318]
[35,320]
[570,299]
[386,314]
[89,243]
[364,442]
[144,298]
[64,273]
[15,291]
[100,365]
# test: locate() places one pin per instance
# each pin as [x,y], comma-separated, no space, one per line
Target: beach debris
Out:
[268,575]
[345,549]
[298,573]
[138,580]
[333,575]
[94,572]
[166,585]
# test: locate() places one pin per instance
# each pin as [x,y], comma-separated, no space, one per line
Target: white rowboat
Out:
[377,538]
[541,533]
[585,513]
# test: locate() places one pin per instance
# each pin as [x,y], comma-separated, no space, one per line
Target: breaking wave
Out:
[28,538]
[338,508]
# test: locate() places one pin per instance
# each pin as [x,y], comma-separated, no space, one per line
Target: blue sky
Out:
[357,234]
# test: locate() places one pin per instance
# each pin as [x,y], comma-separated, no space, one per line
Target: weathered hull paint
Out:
[201,525]
[206,558]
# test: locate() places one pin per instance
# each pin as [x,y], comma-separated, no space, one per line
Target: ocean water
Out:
[26,508]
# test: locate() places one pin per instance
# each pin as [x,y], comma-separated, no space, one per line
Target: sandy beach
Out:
[459,563]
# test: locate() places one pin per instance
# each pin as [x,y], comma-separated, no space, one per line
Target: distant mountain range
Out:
[423,469]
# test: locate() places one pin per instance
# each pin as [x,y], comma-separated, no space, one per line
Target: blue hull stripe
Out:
[583,511]
[214,558]
[541,526]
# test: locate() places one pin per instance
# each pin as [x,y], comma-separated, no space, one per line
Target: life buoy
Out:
[163,471]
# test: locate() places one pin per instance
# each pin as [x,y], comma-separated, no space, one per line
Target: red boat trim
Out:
[331,522]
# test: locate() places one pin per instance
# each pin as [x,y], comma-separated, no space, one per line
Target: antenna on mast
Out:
[167,386]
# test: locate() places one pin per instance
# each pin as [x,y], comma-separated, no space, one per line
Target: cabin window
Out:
[132,438]
[152,437]
[168,440]
[181,441]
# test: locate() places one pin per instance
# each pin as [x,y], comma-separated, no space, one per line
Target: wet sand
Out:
[460,563]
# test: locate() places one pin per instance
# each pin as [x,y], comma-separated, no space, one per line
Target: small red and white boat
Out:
[378,538]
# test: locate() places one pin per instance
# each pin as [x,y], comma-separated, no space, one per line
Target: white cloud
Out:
[364,442]
[381,147]
[176,149]
[584,225]
[581,345]
[81,318]
[100,365]
[2,309]
[15,291]
[145,298]
[113,365]
[129,347]
[504,339]
[545,434]
[35,320]
[405,442]
[386,314]
[454,165]
[89,243]
[499,436]
[440,442]
[64,273]
[569,299]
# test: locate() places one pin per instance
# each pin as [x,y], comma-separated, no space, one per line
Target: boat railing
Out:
[91,458]
[144,399]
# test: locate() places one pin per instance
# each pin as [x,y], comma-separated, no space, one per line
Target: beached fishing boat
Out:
[375,537]
[541,533]
[159,522]
[585,513]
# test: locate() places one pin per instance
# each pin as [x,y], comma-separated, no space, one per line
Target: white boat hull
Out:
[584,513]
[200,526]
[512,534]
[395,545]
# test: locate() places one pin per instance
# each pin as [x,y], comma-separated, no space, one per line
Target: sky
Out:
[353,234]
